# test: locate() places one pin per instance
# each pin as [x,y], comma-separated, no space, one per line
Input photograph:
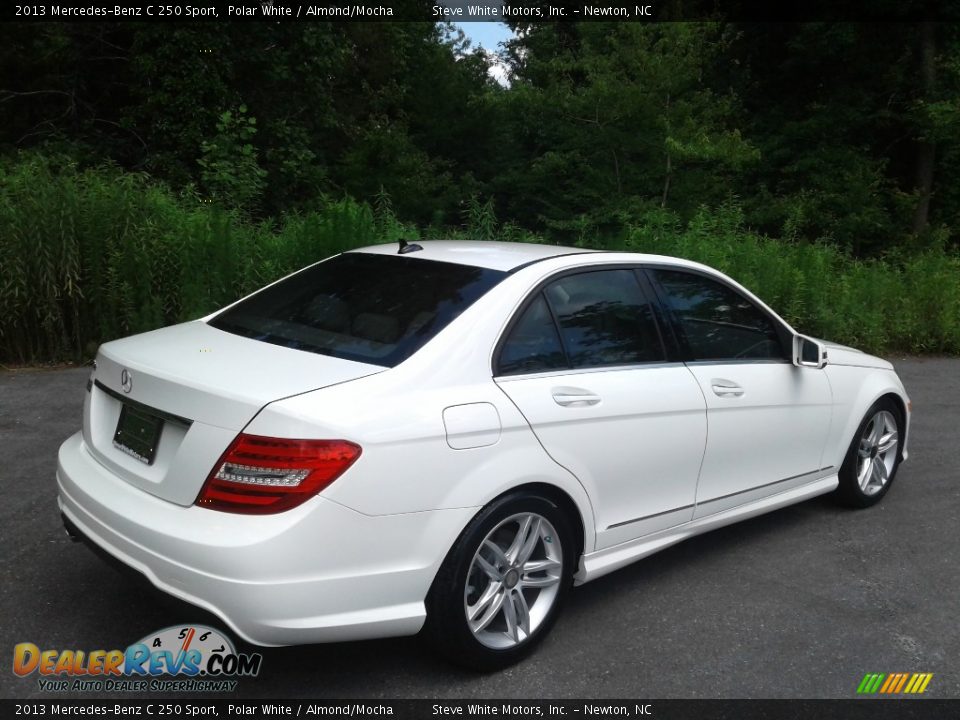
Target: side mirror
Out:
[807,352]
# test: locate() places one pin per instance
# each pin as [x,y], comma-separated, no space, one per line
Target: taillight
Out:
[260,475]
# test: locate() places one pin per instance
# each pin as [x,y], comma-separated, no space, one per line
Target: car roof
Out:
[492,254]
[510,256]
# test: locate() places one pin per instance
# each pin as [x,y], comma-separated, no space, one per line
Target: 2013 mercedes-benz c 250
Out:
[448,435]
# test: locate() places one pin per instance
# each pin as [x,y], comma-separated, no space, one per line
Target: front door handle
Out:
[574,397]
[725,388]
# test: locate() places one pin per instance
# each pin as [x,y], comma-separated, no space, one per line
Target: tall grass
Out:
[88,256]
[906,303]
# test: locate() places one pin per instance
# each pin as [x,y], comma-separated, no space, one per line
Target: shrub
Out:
[906,304]
[88,256]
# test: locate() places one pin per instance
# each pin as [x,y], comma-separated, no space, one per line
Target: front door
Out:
[767,420]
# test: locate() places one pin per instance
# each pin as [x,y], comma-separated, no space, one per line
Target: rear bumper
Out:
[320,572]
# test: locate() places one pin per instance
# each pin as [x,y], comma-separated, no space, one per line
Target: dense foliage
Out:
[149,173]
[96,254]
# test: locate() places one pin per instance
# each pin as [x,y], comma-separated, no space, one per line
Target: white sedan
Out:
[447,436]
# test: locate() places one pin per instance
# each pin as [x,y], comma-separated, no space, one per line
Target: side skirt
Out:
[599,563]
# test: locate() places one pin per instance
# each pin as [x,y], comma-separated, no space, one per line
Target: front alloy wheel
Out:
[503,582]
[873,457]
[877,454]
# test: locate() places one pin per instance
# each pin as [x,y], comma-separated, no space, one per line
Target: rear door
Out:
[585,363]
[767,419]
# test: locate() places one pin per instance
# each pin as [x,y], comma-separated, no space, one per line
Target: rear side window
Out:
[377,309]
[604,319]
[718,322]
[590,319]
[533,345]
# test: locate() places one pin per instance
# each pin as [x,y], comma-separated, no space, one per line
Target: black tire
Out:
[850,492]
[447,627]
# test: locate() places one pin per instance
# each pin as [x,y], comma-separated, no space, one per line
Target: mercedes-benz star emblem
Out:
[126,381]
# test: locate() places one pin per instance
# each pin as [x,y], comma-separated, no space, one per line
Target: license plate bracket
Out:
[138,433]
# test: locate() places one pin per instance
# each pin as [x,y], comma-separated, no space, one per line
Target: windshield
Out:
[377,309]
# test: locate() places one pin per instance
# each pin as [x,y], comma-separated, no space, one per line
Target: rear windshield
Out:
[377,309]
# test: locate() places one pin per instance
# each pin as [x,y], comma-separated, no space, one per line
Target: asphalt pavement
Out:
[799,603]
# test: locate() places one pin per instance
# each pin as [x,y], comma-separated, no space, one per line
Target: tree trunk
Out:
[666,181]
[926,150]
[616,172]
[668,174]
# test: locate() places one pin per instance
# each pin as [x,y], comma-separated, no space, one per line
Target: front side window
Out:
[591,319]
[718,322]
[377,309]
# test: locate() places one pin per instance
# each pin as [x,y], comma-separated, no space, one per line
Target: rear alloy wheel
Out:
[873,457]
[502,584]
[513,581]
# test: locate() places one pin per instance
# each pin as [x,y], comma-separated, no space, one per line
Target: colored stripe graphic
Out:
[870,683]
[891,679]
[894,683]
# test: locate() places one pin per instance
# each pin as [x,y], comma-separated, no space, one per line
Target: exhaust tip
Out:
[70,529]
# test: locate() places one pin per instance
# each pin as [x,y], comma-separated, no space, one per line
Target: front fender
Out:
[854,390]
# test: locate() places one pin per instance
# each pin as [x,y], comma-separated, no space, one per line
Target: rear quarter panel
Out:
[397,417]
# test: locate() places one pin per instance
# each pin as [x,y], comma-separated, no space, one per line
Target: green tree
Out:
[229,170]
[615,119]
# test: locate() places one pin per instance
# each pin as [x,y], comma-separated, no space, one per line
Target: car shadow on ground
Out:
[350,670]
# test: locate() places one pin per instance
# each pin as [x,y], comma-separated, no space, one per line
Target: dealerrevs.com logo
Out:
[191,658]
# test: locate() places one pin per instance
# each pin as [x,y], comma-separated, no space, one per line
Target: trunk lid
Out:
[197,387]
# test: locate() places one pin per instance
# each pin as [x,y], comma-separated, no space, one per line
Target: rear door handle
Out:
[726,388]
[574,397]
